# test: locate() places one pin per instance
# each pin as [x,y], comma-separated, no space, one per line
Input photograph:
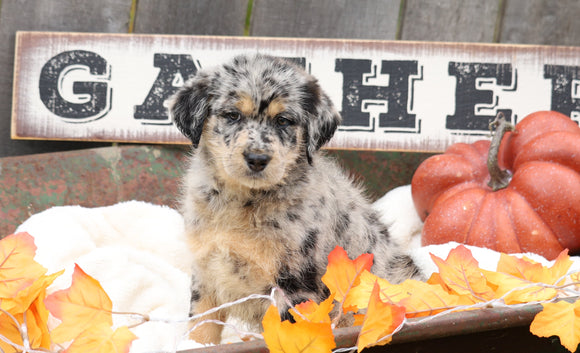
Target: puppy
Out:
[262,206]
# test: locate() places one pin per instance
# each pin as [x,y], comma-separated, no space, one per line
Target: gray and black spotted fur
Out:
[262,206]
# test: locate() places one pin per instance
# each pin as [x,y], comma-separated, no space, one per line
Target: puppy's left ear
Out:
[189,108]
[324,121]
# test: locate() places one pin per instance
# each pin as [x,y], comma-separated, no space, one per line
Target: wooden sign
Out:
[393,95]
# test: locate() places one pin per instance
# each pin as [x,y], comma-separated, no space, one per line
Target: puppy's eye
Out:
[283,122]
[233,117]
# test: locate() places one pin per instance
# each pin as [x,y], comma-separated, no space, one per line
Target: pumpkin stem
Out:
[499,178]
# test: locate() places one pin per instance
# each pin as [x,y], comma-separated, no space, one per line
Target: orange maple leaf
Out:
[83,305]
[461,274]
[101,338]
[18,269]
[436,279]
[302,336]
[313,312]
[380,322]
[560,319]
[515,277]
[342,273]
[36,332]
[359,319]
[22,313]
[38,327]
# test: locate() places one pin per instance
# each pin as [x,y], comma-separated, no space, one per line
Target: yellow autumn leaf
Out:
[79,307]
[516,290]
[560,319]
[18,269]
[23,299]
[429,299]
[380,322]
[303,336]
[101,338]
[461,274]
[575,278]
[560,267]
[419,298]
[342,273]
[359,296]
[513,281]
[533,271]
[10,329]
[515,277]
[312,311]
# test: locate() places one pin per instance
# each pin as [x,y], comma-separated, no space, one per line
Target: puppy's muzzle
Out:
[257,161]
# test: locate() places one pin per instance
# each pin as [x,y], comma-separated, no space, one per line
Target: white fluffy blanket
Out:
[138,253]
[135,250]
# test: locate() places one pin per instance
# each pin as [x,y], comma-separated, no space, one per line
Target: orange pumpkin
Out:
[533,203]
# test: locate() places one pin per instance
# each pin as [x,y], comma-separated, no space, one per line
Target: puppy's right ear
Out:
[190,107]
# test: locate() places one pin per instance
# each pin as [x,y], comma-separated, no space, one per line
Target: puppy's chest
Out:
[229,263]
[241,248]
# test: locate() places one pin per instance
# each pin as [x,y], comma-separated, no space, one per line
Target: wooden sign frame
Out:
[393,95]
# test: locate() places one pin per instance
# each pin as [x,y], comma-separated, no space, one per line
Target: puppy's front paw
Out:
[207,332]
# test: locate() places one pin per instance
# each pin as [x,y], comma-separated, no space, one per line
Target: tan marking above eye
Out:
[246,104]
[275,107]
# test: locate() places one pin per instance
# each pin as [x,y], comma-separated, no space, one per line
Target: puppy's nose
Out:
[257,162]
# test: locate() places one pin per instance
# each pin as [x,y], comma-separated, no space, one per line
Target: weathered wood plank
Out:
[541,22]
[215,17]
[393,95]
[361,19]
[65,15]
[450,20]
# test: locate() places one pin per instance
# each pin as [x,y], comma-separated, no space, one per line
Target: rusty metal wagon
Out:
[472,33]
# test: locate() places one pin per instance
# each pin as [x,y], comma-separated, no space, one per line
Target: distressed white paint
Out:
[132,73]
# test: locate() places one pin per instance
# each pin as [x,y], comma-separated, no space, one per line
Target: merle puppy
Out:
[263,207]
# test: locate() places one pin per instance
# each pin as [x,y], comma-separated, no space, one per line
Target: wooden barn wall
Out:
[502,21]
